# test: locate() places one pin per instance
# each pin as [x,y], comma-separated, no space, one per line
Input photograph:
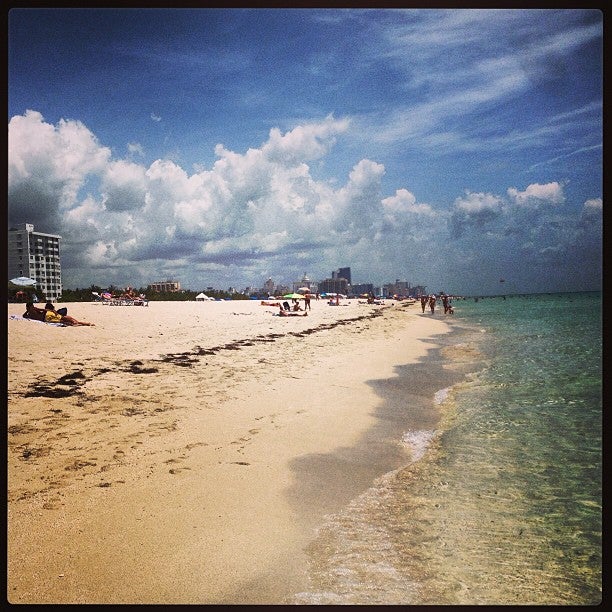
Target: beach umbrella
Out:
[304,290]
[23,281]
[293,296]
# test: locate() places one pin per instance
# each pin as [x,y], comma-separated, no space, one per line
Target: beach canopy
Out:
[203,296]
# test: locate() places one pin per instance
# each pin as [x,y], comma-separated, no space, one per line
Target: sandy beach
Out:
[185,453]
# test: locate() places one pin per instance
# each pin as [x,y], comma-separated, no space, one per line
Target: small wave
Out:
[418,442]
[354,558]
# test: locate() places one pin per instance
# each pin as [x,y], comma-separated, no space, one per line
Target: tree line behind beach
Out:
[24,294]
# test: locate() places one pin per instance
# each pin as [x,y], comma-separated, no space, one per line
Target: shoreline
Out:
[204,480]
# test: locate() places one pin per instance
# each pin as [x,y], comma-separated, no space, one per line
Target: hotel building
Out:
[168,286]
[37,256]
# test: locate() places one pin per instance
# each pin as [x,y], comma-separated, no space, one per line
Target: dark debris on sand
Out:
[71,384]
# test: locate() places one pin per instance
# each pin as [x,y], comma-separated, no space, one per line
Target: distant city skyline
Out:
[455,147]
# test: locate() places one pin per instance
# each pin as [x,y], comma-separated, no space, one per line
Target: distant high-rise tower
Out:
[37,256]
[343,273]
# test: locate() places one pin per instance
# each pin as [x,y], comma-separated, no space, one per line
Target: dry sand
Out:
[152,458]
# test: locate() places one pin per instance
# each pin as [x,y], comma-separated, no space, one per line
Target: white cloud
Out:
[135,148]
[303,143]
[474,211]
[260,213]
[405,202]
[550,192]
[123,186]
[595,204]
[49,164]
[478,203]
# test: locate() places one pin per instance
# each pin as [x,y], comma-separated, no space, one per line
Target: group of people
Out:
[127,296]
[292,311]
[431,301]
[49,314]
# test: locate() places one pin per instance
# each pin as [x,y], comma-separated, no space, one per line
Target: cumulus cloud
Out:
[593,205]
[304,143]
[123,186]
[258,213]
[519,214]
[474,211]
[591,221]
[48,165]
[246,206]
[551,193]
[401,214]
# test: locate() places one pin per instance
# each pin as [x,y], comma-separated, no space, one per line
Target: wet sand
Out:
[185,453]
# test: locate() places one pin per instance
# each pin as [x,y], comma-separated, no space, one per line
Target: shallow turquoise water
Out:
[505,505]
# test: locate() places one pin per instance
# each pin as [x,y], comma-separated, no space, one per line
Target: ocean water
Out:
[501,503]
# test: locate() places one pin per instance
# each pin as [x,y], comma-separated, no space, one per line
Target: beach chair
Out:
[141,300]
[107,298]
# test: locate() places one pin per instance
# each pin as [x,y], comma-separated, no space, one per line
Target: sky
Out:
[449,148]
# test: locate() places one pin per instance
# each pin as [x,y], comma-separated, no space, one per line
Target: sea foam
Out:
[418,442]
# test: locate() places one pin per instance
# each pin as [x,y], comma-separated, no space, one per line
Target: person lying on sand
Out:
[51,316]
[50,306]
[287,313]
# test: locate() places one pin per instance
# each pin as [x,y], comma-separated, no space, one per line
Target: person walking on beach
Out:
[307,301]
[445,303]
[432,303]
[423,302]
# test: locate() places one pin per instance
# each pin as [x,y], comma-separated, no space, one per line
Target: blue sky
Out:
[220,147]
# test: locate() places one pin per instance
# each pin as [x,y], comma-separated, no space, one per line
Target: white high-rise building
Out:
[36,255]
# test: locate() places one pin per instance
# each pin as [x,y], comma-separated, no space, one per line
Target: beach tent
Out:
[202,297]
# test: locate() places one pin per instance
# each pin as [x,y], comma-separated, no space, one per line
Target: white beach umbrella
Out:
[23,281]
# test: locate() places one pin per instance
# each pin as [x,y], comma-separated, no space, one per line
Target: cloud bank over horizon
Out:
[261,214]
